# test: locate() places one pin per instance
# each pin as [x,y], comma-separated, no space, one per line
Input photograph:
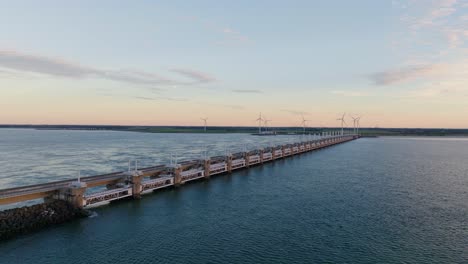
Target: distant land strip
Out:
[369,132]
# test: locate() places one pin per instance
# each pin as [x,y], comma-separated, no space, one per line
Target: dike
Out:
[18,221]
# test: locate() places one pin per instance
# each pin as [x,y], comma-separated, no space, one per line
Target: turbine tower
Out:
[260,119]
[343,122]
[204,122]
[358,124]
[265,123]
[303,123]
[355,122]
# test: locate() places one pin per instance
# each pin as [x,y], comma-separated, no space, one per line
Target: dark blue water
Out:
[385,200]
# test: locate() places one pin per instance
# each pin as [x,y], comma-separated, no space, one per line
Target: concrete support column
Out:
[74,194]
[247,159]
[77,196]
[229,163]
[261,156]
[136,186]
[177,177]
[206,166]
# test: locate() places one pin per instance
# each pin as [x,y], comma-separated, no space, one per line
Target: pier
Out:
[138,182]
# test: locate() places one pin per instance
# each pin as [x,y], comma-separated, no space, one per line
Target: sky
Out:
[396,63]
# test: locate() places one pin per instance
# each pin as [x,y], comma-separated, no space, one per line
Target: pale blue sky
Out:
[397,62]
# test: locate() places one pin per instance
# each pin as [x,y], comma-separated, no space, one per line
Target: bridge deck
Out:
[36,191]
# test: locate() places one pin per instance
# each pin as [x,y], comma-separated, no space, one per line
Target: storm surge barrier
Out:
[135,183]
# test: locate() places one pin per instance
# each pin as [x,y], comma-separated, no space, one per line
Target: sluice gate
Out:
[120,185]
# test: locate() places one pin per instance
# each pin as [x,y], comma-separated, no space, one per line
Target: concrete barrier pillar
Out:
[261,156]
[77,196]
[247,159]
[74,194]
[177,177]
[229,163]
[206,167]
[136,186]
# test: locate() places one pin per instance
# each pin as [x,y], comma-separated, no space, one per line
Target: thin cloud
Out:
[135,78]
[195,75]
[452,88]
[43,65]
[233,37]
[455,37]
[438,10]
[9,74]
[399,75]
[426,19]
[144,98]
[247,91]
[442,12]
[29,63]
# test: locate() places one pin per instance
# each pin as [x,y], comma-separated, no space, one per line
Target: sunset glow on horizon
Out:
[397,63]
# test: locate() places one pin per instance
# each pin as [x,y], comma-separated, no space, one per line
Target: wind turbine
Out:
[343,122]
[355,121]
[204,121]
[303,123]
[358,124]
[260,119]
[265,123]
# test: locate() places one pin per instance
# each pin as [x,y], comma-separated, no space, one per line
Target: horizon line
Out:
[201,126]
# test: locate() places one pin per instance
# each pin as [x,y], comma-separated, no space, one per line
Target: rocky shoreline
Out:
[27,219]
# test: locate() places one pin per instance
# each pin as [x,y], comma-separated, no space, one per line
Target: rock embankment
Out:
[26,219]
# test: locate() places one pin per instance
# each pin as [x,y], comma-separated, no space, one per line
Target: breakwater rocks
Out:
[26,219]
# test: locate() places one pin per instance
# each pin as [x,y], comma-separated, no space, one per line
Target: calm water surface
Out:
[384,200]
